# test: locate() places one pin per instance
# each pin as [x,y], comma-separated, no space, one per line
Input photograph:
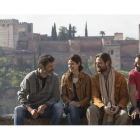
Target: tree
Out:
[102,33]
[73,31]
[52,34]
[39,51]
[91,66]
[86,31]
[70,36]
[34,62]
[55,33]
[129,38]
[21,61]
[63,33]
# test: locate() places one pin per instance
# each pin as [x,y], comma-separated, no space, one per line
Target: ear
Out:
[79,64]
[41,66]
[107,63]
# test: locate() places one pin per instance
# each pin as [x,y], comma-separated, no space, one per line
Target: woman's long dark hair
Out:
[76,58]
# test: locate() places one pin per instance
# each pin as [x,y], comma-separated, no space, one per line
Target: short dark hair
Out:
[138,55]
[45,59]
[105,57]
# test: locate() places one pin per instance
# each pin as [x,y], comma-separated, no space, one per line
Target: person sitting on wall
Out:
[134,91]
[76,91]
[109,94]
[40,94]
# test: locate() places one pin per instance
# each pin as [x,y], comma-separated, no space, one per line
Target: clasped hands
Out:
[114,109]
[40,110]
[73,103]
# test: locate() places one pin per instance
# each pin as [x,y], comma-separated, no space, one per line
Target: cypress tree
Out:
[55,33]
[73,32]
[52,34]
[86,31]
[34,62]
[39,51]
[21,62]
[70,31]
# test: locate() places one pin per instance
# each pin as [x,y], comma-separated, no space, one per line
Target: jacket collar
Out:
[38,76]
[78,84]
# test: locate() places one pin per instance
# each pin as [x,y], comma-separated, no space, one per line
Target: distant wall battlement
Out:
[8,21]
[25,23]
[26,27]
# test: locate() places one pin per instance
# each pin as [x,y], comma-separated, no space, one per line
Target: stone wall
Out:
[9,120]
[8,33]
[114,51]
[118,36]
[8,100]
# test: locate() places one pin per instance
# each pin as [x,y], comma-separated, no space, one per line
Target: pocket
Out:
[117,88]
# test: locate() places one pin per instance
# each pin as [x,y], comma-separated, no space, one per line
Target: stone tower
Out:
[25,27]
[9,33]
[114,51]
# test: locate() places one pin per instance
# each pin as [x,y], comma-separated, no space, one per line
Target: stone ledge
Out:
[9,120]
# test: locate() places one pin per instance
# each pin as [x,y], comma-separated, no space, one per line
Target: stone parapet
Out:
[9,120]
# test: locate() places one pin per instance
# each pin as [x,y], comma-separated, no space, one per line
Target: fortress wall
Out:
[51,46]
[91,46]
[129,48]
[8,33]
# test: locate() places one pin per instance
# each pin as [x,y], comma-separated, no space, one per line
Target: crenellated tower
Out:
[9,33]
[25,27]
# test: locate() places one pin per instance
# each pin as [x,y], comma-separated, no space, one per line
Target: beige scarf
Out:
[107,93]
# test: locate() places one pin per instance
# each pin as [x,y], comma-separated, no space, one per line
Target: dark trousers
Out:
[74,114]
[135,121]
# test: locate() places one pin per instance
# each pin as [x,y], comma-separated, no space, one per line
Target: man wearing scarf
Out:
[134,91]
[109,94]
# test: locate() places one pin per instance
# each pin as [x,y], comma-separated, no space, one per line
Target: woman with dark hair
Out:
[76,90]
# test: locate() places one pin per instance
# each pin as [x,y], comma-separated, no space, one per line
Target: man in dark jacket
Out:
[40,94]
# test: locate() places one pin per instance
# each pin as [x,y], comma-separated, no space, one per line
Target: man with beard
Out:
[109,94]
[40,94]
[134,91]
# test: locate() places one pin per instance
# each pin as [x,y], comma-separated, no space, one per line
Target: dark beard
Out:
[102,70]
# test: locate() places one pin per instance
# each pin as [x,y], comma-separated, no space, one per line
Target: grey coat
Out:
[32,93]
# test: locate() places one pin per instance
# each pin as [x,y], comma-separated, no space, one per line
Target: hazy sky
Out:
[126,24]
[102,15]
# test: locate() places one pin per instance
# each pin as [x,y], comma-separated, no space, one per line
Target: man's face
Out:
[48,70]
[100,65]
[137,64]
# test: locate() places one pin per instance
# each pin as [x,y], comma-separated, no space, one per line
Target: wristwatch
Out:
[135,106]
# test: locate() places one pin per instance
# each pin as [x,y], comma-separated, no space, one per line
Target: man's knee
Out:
[58,107]
[122,117]
[19,110]
[92,108]
[123,114]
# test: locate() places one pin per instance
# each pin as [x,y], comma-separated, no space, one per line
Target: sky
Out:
[42,23]
[108,16]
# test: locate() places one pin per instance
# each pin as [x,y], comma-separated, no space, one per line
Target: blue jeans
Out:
[55,112]
[74,114]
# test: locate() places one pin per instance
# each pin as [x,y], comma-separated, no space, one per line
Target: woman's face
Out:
[73,66]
